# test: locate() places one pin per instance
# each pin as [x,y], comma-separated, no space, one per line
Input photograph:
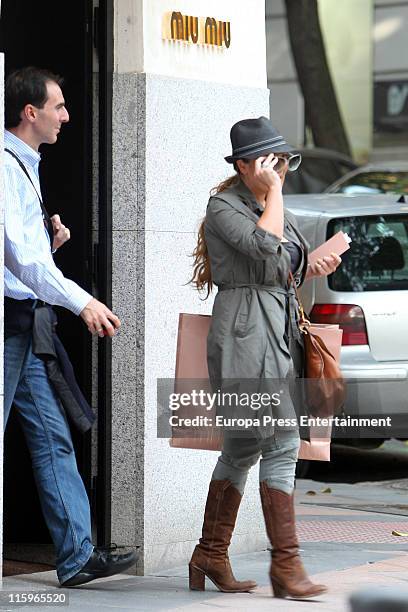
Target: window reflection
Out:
[378,255]
[376,182]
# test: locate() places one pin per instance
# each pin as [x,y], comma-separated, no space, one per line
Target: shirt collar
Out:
[22,149]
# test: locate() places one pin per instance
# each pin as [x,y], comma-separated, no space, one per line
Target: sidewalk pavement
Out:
[346,541]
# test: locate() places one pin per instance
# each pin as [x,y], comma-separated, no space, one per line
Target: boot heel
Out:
[278,590]
[196,579]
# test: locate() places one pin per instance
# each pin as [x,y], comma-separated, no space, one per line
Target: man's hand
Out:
[61,233]
[98,317]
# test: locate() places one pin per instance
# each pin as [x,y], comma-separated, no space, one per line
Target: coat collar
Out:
[246,196]
[244,200]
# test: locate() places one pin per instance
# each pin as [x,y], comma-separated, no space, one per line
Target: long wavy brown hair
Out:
[201,267]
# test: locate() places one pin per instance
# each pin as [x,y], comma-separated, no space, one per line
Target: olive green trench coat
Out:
[254,333]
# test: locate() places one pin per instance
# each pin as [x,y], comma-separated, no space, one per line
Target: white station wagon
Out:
[367,296]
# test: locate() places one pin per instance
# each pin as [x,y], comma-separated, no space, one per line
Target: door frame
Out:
[105,44]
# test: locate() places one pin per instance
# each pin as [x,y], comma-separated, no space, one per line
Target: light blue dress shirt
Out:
[30,271]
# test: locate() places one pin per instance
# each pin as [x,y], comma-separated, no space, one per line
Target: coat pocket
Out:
[241,325]
[241,318]
[247,317]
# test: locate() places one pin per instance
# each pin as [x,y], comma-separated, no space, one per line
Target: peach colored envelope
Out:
[191,362]
[339,243]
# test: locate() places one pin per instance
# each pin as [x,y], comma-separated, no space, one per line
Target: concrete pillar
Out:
[174,103]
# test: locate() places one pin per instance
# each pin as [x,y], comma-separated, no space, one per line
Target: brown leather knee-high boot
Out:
[287,574]
[210,556]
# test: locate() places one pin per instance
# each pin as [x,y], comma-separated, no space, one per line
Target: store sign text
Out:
[196,30]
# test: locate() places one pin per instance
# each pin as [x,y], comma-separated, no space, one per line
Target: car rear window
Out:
[378,256]
[376,182]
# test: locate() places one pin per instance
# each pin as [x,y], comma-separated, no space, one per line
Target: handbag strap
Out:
[303,320]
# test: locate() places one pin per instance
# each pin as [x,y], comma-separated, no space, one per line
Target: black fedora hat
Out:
[252,138]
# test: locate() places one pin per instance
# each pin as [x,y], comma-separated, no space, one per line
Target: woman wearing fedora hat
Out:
[247,245]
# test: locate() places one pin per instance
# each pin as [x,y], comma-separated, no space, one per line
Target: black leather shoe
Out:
[102,563]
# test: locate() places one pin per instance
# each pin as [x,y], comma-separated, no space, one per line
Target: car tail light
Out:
[350,318]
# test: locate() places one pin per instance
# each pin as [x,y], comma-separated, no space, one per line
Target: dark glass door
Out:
[59,38]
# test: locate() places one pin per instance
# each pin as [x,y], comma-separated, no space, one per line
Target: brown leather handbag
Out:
[325,388]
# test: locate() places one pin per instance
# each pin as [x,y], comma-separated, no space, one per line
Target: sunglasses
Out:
[291,163]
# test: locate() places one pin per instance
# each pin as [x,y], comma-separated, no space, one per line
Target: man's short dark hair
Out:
[26,86]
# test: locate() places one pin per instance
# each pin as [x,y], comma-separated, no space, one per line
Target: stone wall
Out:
[170,138]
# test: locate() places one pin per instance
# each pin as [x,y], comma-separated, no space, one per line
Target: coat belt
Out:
[289,293]
[276,288]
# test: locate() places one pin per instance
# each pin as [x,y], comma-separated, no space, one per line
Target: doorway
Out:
[44,35]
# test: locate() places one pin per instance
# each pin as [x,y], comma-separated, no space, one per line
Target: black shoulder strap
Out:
[46,216]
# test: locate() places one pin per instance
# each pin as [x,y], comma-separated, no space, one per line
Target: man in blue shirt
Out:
[34,114]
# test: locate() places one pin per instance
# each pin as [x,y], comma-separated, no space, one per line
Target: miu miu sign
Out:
[196,30]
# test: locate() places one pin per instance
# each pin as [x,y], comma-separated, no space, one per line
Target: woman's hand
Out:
[265,173]
[324,266]
[270,184]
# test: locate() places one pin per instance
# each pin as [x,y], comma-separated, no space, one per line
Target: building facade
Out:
[174,104]
[390,79]
[152,105]
[365,46]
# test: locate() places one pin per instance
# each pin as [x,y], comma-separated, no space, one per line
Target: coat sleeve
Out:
[239,231]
